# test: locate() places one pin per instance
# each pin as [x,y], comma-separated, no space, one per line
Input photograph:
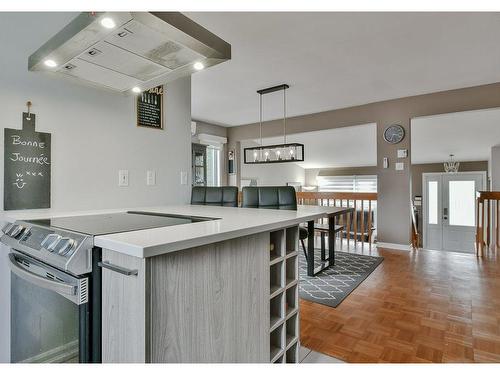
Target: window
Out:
[433,201]
[360,184]
[462,201]
[213,166]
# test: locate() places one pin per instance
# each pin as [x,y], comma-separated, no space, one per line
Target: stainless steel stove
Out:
[56,280]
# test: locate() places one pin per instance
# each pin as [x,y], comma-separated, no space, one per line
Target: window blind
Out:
[361,184]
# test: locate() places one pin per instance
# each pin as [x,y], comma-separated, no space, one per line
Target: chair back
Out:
[215,196]
[273,197]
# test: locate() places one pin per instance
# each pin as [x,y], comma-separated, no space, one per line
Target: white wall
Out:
[271,174]
[94,135]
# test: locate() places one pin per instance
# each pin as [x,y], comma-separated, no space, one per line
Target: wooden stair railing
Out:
[487,202]
[415,236]
[359,226]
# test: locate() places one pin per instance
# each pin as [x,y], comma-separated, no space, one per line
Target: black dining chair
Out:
[226,196]
[273,197]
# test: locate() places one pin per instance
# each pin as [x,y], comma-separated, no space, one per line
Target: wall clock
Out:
[394,134]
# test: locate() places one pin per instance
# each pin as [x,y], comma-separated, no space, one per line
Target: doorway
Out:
[449,202]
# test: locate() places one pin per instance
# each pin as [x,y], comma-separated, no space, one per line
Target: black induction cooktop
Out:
[97,225]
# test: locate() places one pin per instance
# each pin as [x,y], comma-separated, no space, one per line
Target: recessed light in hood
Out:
[123,50]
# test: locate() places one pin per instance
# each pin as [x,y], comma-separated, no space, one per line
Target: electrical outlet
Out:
[123,177]
[400,166]
[151,178]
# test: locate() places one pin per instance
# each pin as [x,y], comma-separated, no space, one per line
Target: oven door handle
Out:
[56,286]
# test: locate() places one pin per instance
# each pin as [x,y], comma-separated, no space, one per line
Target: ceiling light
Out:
[198,65]
[277,153]
[136,90]
[451,166]
[50,63]
[108,23]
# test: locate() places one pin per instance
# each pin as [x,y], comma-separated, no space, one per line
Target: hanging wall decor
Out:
[149,106]
[27,161]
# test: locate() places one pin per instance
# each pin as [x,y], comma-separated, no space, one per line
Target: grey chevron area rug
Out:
[331,286]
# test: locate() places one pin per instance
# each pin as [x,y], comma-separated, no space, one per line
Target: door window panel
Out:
[433,202]
[462,203]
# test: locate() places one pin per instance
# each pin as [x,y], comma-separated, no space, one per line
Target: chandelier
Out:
[451,166]
[277,153]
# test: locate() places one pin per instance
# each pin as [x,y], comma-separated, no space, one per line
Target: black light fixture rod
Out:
[273,89]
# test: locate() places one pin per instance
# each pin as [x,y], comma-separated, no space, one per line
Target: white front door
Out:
[450,210]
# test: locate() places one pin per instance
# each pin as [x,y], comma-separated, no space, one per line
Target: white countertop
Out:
[232,223]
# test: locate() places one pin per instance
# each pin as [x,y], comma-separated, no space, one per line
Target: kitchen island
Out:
[220,290]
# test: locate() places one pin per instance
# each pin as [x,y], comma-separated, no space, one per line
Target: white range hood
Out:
[122,51]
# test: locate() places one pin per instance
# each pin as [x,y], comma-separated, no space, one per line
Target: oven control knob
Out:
[16,230]
[65,245]
[50,242]
[7,227]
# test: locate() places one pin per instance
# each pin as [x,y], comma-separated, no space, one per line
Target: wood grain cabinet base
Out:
[212,303]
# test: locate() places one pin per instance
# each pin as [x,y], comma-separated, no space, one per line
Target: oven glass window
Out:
[44,324]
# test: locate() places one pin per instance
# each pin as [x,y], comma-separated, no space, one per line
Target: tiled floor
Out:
[307,355]
[417,306]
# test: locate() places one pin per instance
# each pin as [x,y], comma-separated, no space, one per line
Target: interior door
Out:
[450,210]
[459,210]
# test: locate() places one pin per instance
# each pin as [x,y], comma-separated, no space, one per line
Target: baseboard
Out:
[394,246]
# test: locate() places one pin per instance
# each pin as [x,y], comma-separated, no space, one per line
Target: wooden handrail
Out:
[488,202]
[336,195]
[488,195]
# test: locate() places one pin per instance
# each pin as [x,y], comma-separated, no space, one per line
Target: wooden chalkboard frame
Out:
[27,167]
[161,95]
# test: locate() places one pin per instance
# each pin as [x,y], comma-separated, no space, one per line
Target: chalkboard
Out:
[150,108]
[26,167]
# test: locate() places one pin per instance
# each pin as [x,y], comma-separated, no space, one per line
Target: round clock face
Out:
[394,134]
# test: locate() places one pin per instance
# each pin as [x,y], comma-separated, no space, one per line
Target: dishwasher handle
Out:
[44,282]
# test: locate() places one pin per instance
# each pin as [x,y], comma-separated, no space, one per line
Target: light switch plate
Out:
[386,163]
[400,166]
[151,178]
[123,177]
[402,154]
[184,178]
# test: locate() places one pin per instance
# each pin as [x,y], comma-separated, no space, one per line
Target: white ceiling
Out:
[468,135]
[336,60]
[331,149]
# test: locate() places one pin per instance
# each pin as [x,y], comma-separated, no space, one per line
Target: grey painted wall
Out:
[495,168]
[394,188]
[418,169]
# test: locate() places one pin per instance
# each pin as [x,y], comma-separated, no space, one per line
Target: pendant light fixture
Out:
[451,166]
[277,153]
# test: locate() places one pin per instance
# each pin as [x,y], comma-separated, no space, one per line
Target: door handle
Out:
[445,213]
[115,268]
[56,286]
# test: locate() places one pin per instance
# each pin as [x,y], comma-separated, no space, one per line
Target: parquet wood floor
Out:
[417,306]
